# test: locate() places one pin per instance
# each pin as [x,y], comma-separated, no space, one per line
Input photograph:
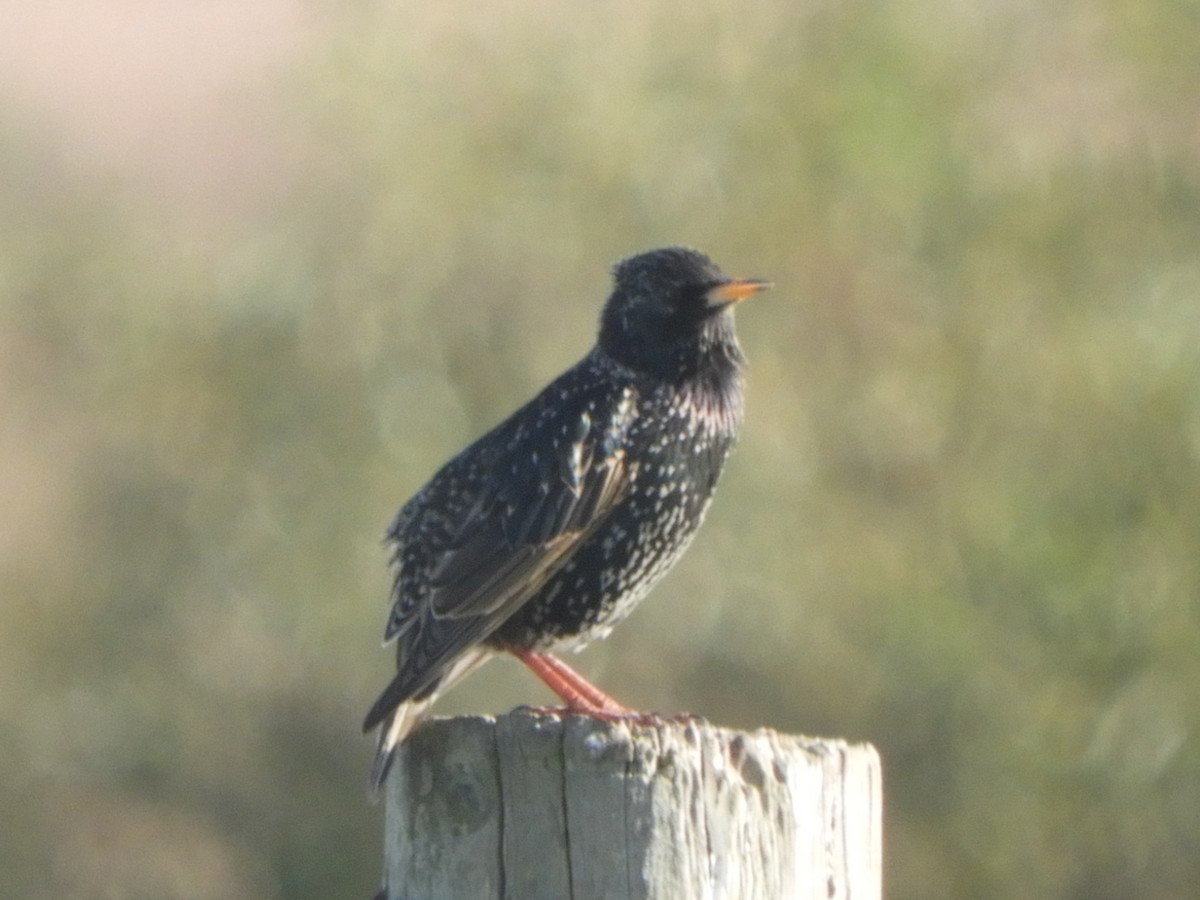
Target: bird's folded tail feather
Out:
[394,729]
[403,717]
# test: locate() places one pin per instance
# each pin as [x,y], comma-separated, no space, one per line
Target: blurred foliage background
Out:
[264,266]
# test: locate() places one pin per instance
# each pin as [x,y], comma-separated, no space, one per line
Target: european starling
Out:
[549,529]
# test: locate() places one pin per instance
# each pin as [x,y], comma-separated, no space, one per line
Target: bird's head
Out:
[670,310]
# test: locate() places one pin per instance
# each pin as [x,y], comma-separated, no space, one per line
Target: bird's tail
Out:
[392,731]
[396,719]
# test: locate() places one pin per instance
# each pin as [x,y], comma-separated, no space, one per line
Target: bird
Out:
[548,530]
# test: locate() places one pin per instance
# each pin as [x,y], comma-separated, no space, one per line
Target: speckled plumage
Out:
[549,529]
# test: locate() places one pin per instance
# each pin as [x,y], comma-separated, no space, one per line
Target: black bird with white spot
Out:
[547,531]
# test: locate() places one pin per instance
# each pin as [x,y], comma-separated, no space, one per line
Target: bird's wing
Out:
[548,493]
[552,481]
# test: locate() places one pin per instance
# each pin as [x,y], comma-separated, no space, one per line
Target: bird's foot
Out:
[577,692]
[622,714]
[583,698]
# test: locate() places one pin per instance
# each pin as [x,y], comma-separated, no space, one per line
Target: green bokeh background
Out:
[963,523]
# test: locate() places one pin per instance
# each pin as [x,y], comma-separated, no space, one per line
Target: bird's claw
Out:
[619,714]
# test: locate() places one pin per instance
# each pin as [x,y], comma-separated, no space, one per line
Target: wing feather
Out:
[543,482]
[495,567]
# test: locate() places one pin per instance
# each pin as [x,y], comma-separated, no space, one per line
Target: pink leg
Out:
[577,692]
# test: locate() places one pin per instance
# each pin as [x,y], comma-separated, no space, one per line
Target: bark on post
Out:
[530,806]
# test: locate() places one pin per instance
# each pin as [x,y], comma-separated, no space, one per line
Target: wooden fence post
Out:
[530,806]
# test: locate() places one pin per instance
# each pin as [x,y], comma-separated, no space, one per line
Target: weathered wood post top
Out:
[532,806]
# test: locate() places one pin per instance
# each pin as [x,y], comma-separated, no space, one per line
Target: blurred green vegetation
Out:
[964,522]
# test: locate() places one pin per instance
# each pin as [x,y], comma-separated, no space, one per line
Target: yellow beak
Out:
[736,291]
